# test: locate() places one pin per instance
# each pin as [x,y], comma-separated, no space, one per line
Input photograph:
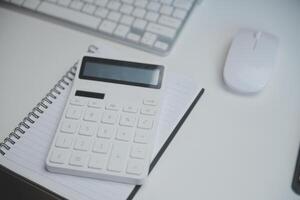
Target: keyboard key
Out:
[101,12]
[97,161]
[138,151]
[139,24]
[89,8]
[112,106]
[128,1]
[139,12]
[59,156]
[161,45]
[154,6]
[125,134]
[141,3]
[95,103]
[69,15]
[77,5]
[128,120]
[152,16]
[113,5]
[114,16]
[166,10]
[126,9]
[184,4]
[130,108]
[168,2]
[149,39]
[150,102]
[166,32]
[127,20]
[118,158]
[92,115]
[148,110]
[101,2]
[107,26]
[109,117]
[169,21]
[179,13]
[141,136]
[73,112]
[64,2]
[121,31]
[145,123]
[78,159]
[101,146]
[106,131]
[69,126]
[78,101]
[31,4]
[64,141]
[133,37]
[17,2]
[87,129]
[82,143]
[135,167]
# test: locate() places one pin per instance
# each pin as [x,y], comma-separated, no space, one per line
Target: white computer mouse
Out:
[250,61]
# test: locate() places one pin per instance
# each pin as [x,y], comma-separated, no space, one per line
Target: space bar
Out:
[69,15]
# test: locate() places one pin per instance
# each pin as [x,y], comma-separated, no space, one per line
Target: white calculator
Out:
[109,124]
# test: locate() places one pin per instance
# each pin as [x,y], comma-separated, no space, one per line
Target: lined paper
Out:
[27,157]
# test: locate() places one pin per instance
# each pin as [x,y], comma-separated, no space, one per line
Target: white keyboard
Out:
[151,25]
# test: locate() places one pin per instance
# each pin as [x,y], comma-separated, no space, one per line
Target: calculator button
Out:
[73,112]
[59,156]
[135,167]
[101,146]
[64,141]
[78,101]
[112,106]
[141,136]
[87,129]
[97,161]
[145,123]
[82,143]
[68,126]
[128,120]
[78,159]
[95,103]
[138,151]
[124,134]
[91,115]
[148,110]
[130,109]
[109,117]
[106,131]
[118,157]
[150,102]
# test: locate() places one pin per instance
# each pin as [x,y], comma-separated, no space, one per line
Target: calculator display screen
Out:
[121,72]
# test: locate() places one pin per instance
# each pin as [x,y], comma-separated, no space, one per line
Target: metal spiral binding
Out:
[38,110]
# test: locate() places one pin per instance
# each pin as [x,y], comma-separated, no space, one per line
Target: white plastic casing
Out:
[250,61]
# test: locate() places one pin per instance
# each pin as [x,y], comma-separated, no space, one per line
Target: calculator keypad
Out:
[107,138]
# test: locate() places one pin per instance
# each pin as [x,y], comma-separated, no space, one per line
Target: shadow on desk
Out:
[16,187]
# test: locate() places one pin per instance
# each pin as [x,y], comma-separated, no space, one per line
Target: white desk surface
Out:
[231,147]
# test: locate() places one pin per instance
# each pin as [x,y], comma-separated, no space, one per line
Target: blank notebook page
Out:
[27,156]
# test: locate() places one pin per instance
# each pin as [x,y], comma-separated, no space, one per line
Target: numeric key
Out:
[73,112]
[118,158]
[68,126]
[91,115]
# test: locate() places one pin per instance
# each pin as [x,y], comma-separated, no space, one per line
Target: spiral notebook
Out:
[24,151]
